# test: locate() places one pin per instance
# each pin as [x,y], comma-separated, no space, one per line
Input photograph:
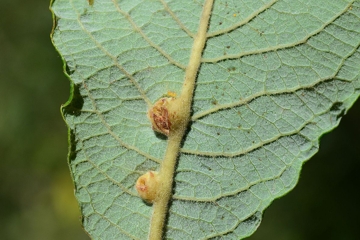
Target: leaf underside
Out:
[275,76]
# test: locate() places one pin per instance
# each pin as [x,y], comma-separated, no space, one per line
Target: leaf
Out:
[272,78]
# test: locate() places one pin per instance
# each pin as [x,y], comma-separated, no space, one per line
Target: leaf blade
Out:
[256,134]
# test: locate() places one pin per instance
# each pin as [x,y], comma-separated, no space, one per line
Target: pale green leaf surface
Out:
[275,76]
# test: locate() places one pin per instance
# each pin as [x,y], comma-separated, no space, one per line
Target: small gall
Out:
[160,116]
[147,186]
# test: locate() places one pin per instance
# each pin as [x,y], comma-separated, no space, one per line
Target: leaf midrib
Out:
[167,167]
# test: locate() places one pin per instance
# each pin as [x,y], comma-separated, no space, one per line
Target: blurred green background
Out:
[36,192]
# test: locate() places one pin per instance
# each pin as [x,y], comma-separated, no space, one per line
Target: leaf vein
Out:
[151,43]
[243,22]
[114,59]
[276,47]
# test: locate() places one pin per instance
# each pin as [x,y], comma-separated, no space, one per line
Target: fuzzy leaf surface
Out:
[275,76]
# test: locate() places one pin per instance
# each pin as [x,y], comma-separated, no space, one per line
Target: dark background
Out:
[36,191]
